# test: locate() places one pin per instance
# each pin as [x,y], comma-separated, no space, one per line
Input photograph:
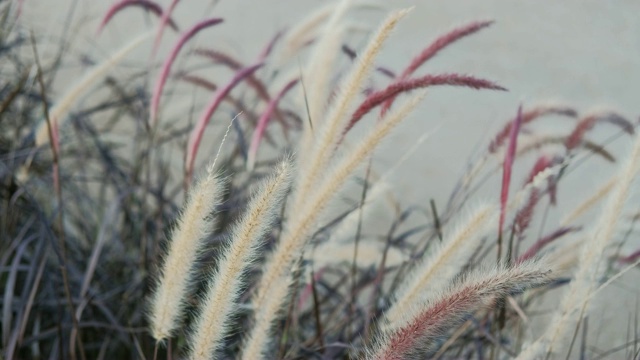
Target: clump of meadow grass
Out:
[114,263]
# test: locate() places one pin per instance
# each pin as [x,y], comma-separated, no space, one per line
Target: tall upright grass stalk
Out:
[448,308]
[590,265]
[59,111]
[220,301]
[507,166]
[272,287]
[187,241]
[54,143]
[327,133]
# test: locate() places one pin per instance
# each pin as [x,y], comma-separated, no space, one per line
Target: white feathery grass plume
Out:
[272,288]
[448,308]
[187,240]
[220,301]
[317,75]
[590,265]
[328,133]
[434,272]
[59,111]
[256,345]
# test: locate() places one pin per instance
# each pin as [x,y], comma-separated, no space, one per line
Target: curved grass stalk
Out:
[198,131]
[146,4]
[166,67]
[258,133]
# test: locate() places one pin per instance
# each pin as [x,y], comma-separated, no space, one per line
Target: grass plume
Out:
[590,265]
[166,66]
[275,278]
[448,308]
[186,242]
[220,301]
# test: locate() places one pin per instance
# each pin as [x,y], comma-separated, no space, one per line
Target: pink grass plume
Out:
[588,122]
[234,64]
[166,67]
[146,4]
[433,49]
[264,121]
[631,258]
[477,290]
[527,117]
[506,172]
[270,46]
[196,134]
[378,97]
[164,20]
[524,216]
[441,43]
[544,241]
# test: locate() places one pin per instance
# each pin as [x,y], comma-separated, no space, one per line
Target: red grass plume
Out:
[507,167]
[378,97]
[434,48]
[145,4]
[588,122]
[166,67]
[476,291]
[527,117]
[197,132]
